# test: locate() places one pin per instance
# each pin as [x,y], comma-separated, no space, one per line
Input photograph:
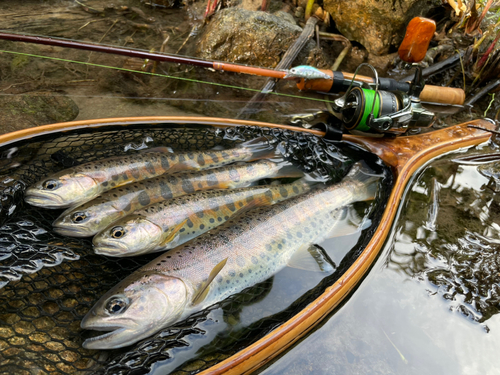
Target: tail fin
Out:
[367,181]
[261,148]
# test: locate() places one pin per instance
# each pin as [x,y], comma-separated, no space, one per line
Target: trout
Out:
[244,251]
[92,217]
[84,182]
[168,224]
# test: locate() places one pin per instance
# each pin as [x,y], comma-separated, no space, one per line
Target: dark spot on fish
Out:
[226,218]
[124,176]
[200,214]
[220,279]
[240,204]
[284,241]
[214,157]
[190,155]
[128,207]
[200,186]
[307,230]
[219,219]
[231,207]
[190,223]
[201,160]
[299,234]
[202,226]
[296,190]
[144,199]
[211,179]
[164,162]
[181,158]
[268,247]
[150,168]
[212,220]
[255,260]
[269,195]
[241,275]
[105,183]
[227,281]
[187,187]
[165,191]
[234,175]
[169,256]
[283,192]
[249,271]
[112,184]
[225,155]
[280,246]
[232,273]
[115,177]
[240,261]
[115,196]
[182,230]
[289,235]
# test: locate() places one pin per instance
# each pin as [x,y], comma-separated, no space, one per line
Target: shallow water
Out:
[430,303]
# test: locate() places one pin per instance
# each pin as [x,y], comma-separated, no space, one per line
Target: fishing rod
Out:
[371,105]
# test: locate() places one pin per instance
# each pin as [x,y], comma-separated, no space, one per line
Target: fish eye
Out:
[117,232]
[116,305]
[51,185]
[78,217]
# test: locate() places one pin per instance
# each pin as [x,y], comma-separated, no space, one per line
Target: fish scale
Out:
[223,261]
[167,224]
[117,203]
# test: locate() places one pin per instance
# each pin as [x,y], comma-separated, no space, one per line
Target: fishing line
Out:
[163,75]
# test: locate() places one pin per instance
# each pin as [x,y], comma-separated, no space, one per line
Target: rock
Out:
[34,109]
[376,24]
[248,37]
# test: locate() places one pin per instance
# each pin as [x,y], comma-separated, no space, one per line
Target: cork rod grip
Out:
[442,95]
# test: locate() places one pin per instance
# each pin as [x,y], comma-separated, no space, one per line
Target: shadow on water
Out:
[430,304]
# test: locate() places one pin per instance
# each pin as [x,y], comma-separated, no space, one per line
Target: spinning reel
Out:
[384,105]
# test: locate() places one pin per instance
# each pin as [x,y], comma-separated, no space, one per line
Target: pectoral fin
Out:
[202,292]
[347,222]
[173,233]
[164,149]
[312,258]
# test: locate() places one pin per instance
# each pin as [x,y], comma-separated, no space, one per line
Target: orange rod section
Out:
[418,151]
[249,70]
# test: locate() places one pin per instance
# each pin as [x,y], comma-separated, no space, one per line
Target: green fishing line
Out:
[162,75]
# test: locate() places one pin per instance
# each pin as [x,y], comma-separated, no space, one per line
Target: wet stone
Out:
[31,312]
[6,332]
[50,307]
[24,328]
[44,323]
[55,346]
[16,341]
[69,356]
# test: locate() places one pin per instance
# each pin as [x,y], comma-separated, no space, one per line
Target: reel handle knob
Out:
[419,33]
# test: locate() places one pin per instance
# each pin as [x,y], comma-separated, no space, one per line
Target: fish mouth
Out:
[44,200]
[104,341]
[72,231]
[112,250]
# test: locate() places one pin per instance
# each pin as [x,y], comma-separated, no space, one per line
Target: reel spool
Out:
[361,102]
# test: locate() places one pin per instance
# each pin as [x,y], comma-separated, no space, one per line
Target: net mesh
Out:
[49,282]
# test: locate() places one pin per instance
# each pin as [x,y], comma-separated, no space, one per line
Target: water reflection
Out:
[430,304]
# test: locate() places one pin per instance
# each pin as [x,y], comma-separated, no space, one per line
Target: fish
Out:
[171,223]
[82,183]
[244,251]
[306,72]
[90,218]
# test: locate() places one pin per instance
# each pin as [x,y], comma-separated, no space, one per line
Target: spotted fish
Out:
[84,182]
[170,223]
[244,251]
[92,217]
